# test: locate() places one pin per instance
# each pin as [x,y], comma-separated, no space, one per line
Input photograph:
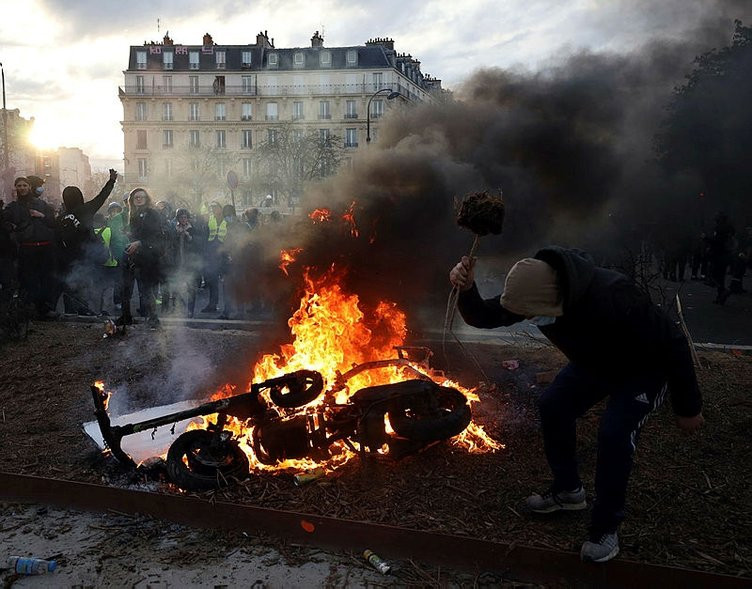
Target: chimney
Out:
[208,40]
[317,40]
[166,40]
[386,43]
[262,40]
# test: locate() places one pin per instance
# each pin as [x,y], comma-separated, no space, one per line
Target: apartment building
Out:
[233,98]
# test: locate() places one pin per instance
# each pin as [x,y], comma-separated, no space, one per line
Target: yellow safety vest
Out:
[106,234]
[217,231]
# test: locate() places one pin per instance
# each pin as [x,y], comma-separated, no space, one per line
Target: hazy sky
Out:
[64,59]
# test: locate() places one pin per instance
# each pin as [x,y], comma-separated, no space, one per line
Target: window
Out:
[140,60]
[221,63]
[194,138]
[246,111]
[139,84]
[167,60]
[325,58]
[247,167]
[220,112]
[378,79]
[141,111]
[297,111]
[219,85]
[297,135]
[245,60]
[324,136]
[246,139]
[248,84]
[298,59]
[324,112]
[193,112]
[222,168]
[351,138]
[350,110]
[221,139]
[167,84]
[273,60]
[140,139]
[352,57]
[271,135]
[193,60]
[193,84]
[168,168]
[142,170]
[167,139]
[377,109]
[272,114]
[167,111]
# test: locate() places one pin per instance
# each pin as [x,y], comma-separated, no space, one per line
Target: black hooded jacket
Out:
[28,229]
[609,327]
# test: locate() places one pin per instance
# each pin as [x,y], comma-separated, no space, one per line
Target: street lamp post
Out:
[391,96]
[5,123]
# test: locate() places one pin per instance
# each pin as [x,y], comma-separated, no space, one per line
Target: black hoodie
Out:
[609,327]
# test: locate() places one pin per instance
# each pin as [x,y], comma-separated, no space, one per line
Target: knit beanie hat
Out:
[531,289]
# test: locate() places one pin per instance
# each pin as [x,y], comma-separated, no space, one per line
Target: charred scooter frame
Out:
[420,412]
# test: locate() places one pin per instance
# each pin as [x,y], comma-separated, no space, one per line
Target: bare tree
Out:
[198,175]
[291,157]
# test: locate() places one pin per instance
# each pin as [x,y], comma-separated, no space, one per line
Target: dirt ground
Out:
[689,502]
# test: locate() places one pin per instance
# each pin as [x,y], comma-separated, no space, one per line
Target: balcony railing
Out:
[351,115]
[272,90]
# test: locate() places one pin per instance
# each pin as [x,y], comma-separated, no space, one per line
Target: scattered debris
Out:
[377,562]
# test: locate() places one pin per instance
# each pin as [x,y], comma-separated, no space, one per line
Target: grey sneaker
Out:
[549,501]
[602,550]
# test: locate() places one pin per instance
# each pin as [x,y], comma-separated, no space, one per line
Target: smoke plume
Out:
[570,146]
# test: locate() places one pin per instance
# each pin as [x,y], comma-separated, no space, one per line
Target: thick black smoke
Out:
[572,148]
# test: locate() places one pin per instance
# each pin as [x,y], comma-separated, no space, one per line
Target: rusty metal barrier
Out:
[512,561]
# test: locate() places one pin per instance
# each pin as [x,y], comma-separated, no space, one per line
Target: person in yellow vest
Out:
[107,273]
[213,255]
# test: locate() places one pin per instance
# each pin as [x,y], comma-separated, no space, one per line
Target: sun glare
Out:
[46,134]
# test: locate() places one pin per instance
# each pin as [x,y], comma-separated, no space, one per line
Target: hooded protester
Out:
[31,222]
[142,258]
[619,345]
[80,251]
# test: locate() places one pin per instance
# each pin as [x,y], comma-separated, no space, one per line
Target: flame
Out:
[332,331]
[100,385]
[320,215]
[349,216]
[287,257]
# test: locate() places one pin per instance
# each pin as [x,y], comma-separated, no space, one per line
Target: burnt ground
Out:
[689,501]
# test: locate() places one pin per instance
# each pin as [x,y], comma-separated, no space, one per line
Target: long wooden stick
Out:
[685,330]
[452,302]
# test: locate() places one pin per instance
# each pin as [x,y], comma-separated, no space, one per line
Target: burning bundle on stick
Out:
[482,213]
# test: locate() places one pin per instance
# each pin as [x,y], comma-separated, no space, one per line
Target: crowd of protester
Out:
[77,255]
[85,249]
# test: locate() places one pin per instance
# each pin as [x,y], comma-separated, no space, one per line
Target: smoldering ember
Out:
[299,313]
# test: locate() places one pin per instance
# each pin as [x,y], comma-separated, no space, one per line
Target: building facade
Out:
[229,99]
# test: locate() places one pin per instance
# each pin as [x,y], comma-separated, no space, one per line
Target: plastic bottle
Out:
[31,566]
[376,562]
